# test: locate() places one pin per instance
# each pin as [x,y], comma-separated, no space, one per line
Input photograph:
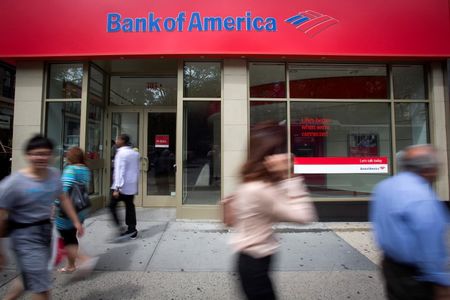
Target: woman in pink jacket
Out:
[267,195]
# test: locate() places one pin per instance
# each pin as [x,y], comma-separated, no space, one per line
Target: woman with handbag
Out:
[265,196]
[75,179]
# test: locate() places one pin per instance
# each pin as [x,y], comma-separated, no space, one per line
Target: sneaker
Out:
[133,235]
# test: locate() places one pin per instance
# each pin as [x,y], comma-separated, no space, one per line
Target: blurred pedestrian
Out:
[125,185]
[75,173]
[410,226]
[265,196]
[26,208]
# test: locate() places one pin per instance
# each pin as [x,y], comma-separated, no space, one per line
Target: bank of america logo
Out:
[311,22]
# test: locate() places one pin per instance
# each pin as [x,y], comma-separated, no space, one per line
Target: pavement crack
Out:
[157,245]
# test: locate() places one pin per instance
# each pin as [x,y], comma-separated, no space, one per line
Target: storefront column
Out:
[235,121]
[438,126]
[27,107]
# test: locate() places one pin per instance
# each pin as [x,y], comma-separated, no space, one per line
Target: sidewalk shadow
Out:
[151,231]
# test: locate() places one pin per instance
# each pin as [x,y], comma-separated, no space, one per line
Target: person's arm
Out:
[120,166]
[3,229]
[429,226]
[67,206]
[293,203]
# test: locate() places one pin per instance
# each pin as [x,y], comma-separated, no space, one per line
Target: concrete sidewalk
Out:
[191,260]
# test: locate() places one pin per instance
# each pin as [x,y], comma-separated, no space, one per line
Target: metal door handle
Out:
[144,164]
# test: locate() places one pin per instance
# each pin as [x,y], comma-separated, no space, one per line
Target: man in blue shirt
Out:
[410,225]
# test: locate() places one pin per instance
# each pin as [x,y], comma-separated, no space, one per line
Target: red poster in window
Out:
[162,141]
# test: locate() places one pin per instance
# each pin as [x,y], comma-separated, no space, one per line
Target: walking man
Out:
[410,225]
[125,184]
[26,208]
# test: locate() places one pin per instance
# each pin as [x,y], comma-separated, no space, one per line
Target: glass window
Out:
[6,134]
[161,139]
[94,148]
[342,149]
[409,82]
[338,81]
[411,124]
[96,86]
[267,80]
[147,91]
[202,80]
[63,127]
[201,152]
[65,81]
[261,111]
[7,82]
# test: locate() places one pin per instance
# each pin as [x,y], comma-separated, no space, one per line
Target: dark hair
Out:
[266,138]
[76,156]
[38,141]
[125,138]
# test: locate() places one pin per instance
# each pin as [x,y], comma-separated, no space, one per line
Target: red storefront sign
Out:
[341,165]
[162,141]
[321,28]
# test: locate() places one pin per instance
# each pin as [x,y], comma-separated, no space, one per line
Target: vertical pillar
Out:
[235,121]
[28,107]
[438,120]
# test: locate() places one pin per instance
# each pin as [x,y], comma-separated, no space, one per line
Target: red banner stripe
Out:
[340,160]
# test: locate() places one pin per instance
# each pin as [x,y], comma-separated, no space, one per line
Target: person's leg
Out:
[130,212]
[71,246]
[41,296]
[401,283]
[15,291]
[113,208]
[254,275]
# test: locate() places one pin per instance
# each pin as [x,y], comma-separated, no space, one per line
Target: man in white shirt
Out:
[125,184]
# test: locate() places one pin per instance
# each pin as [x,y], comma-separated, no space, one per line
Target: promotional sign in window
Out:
[341,165]
[162,141]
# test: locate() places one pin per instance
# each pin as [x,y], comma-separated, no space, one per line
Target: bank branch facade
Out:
[354,82]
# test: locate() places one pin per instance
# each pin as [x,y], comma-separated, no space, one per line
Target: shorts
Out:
[69,236]
[32,248]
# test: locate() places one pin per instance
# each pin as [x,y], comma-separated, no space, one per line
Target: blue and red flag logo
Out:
[311,22]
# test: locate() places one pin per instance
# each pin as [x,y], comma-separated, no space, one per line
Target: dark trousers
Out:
[401,283]
[130,210]
[254,276]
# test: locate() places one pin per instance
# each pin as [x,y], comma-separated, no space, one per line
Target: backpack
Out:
[79,195]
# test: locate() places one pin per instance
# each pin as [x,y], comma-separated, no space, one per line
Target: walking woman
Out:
[75,172]
[265,196]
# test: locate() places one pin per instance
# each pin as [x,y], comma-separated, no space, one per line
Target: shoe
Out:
[134,234]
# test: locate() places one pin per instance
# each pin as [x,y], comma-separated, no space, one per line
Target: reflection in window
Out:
[63,127]
[65,81]
[411,124]
[7,82]
[201,152]
[94,149]
[96,85]
[146,91]
[261,111]
[202,79]
[409,82]
[338,81]
[325,130]
[6,129]
[267,80]
[161,153]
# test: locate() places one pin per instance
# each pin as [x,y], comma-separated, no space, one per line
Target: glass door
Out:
[128,122]
[159,180]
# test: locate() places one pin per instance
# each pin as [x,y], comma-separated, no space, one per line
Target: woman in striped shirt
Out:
[75,172]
